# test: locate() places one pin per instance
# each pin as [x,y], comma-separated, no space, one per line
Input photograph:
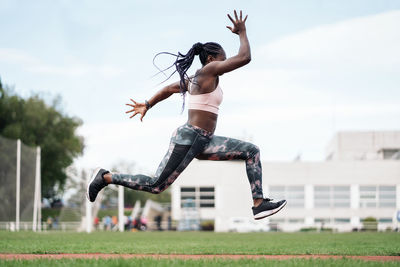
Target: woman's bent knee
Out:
[253,150]
[159,189]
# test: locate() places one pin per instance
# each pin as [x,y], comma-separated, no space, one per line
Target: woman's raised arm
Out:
[242,58]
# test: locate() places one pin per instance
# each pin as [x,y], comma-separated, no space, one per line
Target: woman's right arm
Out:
[242,58]
[164,93]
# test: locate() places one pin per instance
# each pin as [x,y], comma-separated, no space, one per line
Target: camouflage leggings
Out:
[189,142]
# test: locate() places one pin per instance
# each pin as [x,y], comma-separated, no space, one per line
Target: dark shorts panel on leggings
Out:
[188,142]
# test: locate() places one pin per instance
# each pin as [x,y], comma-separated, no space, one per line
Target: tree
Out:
[39,124]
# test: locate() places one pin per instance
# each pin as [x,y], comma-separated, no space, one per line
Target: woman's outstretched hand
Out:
[137,108]
[238,23]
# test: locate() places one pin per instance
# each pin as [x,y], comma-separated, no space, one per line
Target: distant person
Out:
[158,220]
[96,222]
[107,222]
[143,223]
[130,220]
[126,223]
[55,223]
[137,223]
[114,220]
[49,222]
[169,223]
[196,138]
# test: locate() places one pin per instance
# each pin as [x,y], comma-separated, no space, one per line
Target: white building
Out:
[361,178]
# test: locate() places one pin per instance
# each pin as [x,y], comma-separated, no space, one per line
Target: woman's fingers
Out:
[130,109]
[136,108]
[237,19]
[230,28]
[133,115]
[229,16]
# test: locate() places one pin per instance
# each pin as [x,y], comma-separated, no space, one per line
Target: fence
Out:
[20,184]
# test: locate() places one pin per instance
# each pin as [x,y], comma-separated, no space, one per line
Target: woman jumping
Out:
[196,138]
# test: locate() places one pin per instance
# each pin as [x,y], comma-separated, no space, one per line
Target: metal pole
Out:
[36,201]
[18,185]
[40,196]
[121,208]
[89,220]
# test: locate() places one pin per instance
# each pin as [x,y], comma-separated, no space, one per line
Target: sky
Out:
[318,67]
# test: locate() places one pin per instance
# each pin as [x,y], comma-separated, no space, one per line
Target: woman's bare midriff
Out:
[203,119]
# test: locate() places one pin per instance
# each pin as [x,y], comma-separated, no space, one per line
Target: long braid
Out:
[184,61]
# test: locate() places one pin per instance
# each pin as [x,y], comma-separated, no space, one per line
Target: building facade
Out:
[359,179]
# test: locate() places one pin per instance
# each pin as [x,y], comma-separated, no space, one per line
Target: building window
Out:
[206,197]
[296,220]
[203,197]
[332,196]
[386,196]
[276,220]
[382,196]
[293,194]
[341,220]
[341,196]
[289,220]
[322,196]
[391,153]
[385,220]
[188,195]
[322,220]
[368,198]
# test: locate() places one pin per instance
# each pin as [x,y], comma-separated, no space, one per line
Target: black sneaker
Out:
[95,184]
[267,208]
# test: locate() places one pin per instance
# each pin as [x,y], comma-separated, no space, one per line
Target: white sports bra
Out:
[208,102]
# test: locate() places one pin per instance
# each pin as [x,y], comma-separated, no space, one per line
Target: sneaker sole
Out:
[267,213]
[95,172]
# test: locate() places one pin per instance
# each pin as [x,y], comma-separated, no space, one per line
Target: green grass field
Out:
[200,243]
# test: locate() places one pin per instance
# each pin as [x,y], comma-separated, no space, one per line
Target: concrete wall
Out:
[361,145]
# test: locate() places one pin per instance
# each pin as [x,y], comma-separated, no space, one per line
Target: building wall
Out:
[233,195]
[362,145]
[232,190]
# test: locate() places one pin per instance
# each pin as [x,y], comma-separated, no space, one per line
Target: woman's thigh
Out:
[225,148]
[177,159]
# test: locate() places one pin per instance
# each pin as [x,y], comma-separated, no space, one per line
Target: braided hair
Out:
[184,61]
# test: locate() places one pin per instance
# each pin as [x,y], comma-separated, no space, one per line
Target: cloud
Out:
[352,60]
[15,56]
[275,85]
[366,42]
[296,113]
[76,69]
